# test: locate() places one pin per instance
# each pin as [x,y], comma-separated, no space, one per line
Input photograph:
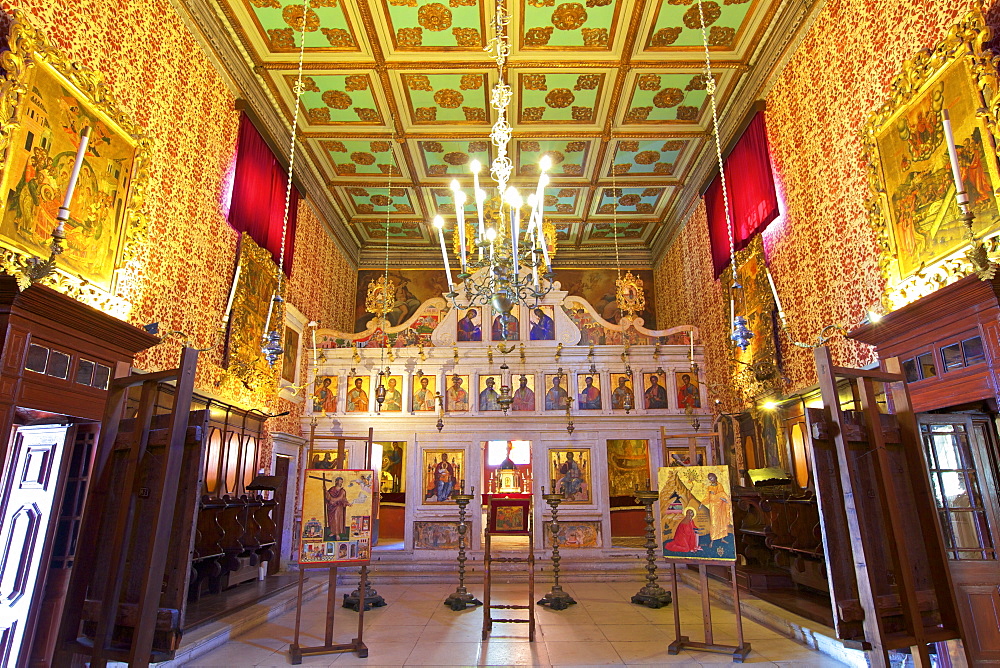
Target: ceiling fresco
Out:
[613,91]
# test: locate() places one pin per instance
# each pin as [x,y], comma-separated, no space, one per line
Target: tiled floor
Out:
[603,629]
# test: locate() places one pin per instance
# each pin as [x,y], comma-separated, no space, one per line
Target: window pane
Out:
[955,492]
[974,353]
[101,377]
[947,451]
[926,364]
[963,528]
[85,372]
[936,485]
[58,366]
[37,357]
[952,357]
[910,370]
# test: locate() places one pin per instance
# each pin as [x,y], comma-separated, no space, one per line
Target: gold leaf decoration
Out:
[551,200]
[644,207]
[361,158]
[379,200]
[365,208]
[356,82]
[668,97]
[437,170]
[583,114]
[448,98]
[542,3]
[425,113]
[652,192]
[598,3]
[529,114]
[471,82]
[321,115]
[576,146]
[622,168]
[534,82]
[637,114]
[309,84]
[266,4]
[462,3]
[336,146]
[292,15]
[647,157]
[403,208]
[564,208]
[389,169]
[467,37]
[555,156]
[435,17]
[281,38]
[587,82]
[367,114]
[698,81]
[338,37]
[337,99]
[559,98]
[566,192]
[432,146]
[687,113]
[356,191]
[478,146]
[672,145]
[569,16]
[664,37]
[663,168]
[403,3]
[530,146]
[347,168]
[630,199]
[595,36]
[629,146]
[538,36]
[474,114]
[712,11]
[572,170]
[649,82]
[409,37]
[379,146]
[456,158]
[721,36]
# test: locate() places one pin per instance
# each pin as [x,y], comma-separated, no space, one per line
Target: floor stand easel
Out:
[741,649]
[296,651]
[489,560]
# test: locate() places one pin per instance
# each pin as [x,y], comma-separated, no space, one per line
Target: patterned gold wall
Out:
[163,80]
[822,252]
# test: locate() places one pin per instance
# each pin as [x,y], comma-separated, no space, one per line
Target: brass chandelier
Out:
[505,256]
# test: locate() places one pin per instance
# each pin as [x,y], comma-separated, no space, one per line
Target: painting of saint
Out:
[655,392]
[688,395]
[393,397]
[696,513]
[442,474]
[470,326]
[391,480]
[435,535]
[457,397]
[543,326]
[556,397]
[622,398]
[590,392]
[505,328]
[489,398]
[598,286]
[357,396]
[424,391]
[325,395]
[324,455]
[570,474]
[524,395]
[290,359]
[573,534]
[338,503]
[413,288]
[628,466]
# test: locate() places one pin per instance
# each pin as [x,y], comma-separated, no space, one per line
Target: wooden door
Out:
[281,469]
[28,493]
[961,460]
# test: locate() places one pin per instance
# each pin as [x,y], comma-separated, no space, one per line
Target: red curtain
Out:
[753,202]
[258,206]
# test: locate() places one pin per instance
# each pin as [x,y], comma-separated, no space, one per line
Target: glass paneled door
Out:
[961,455]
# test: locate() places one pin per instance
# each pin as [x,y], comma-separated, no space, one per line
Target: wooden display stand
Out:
[296,651]
[741,649]
[498,522]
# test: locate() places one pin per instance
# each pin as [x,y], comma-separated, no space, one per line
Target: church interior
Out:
[323,341]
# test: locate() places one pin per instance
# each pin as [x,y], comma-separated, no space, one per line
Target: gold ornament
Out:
[380,297]
[630,296]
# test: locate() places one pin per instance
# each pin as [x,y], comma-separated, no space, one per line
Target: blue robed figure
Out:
[543,329]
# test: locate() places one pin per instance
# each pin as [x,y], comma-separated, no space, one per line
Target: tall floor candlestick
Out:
[556,599]
[461,598]
[976,254]
[651,595]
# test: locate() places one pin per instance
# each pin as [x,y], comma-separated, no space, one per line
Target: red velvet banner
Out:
[258,206]
[753,202]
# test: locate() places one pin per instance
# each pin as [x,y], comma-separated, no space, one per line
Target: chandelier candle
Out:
[439,224]
[460,220]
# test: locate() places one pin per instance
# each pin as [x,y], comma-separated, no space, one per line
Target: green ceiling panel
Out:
[369,201]
[279,22]
[401,230]
[430,25]
[560,97]
[569,157]
[452,158]
[361,156]
[338,99]
[646,158]
[630,200]
[678,26]
[569,26]
[447,99]
[667,98]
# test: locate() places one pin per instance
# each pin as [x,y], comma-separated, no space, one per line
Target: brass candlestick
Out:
[651,595]
[460,599]
[556,599]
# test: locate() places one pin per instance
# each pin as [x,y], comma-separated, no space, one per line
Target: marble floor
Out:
[603,629]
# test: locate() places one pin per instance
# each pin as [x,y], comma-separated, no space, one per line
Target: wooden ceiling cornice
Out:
[374,90]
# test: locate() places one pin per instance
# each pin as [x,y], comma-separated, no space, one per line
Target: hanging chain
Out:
[388,211]
[710,88]
[614,198]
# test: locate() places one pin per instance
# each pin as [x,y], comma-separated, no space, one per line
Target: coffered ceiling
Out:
[396,96]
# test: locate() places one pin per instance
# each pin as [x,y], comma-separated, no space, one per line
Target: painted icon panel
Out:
[337,508]
[696,513]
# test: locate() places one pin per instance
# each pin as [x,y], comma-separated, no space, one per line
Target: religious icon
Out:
[628,466]
[357,396]
[435,535]
[336,501]
[524,394]
[325,394]
[655,389]
[393,397]
[443,470]
[543,325]
[290,358]
[622,397]
[589,389]
[688,394]
[505,328]
[507,515]
[570,474]
[489,396]
[323,455]
[680,455]
[696,513]
[391,479]
[509,518]
[470,326]
[556,396]
[424,390]
[456,399]
[573,534]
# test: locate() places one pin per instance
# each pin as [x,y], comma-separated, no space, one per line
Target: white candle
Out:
[476,166]
[960,194]
[267,323]
[439,224]
[313,325]
[460,219]
[732,311]
[691,336]
[232,294]
[63,214]
[774,291]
